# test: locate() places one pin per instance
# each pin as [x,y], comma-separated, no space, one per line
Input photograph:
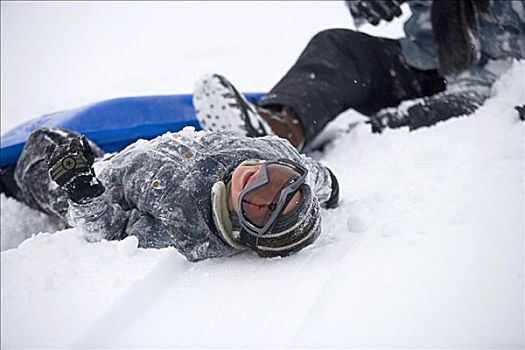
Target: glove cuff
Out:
[84,189]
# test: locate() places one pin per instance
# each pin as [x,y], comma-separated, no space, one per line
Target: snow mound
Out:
[19,222]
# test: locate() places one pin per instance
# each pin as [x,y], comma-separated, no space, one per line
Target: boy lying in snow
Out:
[208,194]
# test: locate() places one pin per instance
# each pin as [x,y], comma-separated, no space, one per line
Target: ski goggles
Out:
[261,203]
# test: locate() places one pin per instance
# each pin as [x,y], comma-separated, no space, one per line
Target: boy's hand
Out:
[70,167]
[374,11]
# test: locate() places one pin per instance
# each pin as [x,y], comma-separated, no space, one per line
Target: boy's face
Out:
[243,176]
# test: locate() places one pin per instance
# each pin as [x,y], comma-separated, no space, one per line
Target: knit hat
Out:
[291,232]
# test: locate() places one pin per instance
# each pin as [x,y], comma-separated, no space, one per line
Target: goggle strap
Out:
[248,238]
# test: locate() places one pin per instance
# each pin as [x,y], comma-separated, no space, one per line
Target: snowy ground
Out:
[426,249]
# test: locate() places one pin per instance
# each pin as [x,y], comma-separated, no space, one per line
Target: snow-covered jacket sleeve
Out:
[157,191]
[99,218]
[108,216]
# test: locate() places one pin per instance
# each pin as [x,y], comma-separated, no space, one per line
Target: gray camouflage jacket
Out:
[160,190]
[501,35]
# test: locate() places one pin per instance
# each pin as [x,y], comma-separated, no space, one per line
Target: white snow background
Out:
[425,250]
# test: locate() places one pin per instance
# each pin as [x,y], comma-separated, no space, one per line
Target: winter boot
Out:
[429,110]
[220,107]
[284,124]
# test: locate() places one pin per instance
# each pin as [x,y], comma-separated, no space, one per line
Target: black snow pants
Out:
[341,69]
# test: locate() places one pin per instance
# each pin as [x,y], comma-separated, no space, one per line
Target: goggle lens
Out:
[258,204]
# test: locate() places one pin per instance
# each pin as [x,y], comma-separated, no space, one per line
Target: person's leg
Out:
[31,174]
[219,106]
[341,69]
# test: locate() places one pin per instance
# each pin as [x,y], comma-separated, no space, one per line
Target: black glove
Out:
[430,110]
[70,167]
[333,201]
[375,10]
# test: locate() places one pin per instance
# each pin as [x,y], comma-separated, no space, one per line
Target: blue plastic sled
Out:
[112,124]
